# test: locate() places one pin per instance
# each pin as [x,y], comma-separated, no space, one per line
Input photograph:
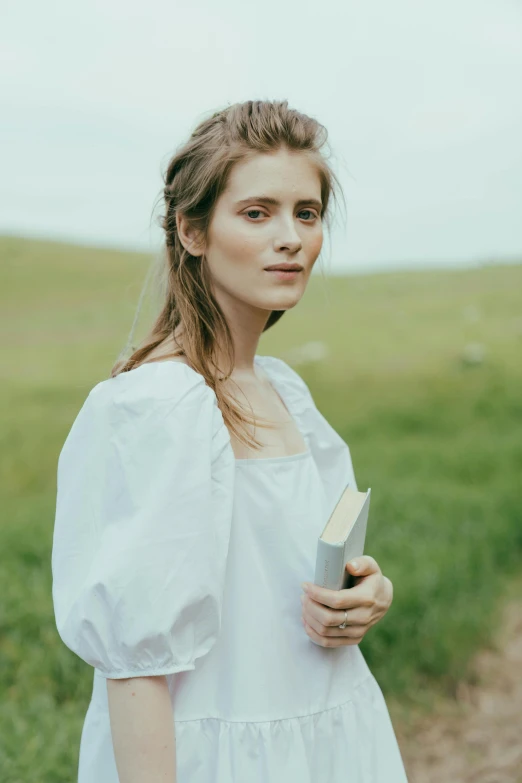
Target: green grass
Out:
[437,439]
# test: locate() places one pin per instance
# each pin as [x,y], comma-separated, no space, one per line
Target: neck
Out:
[246,325]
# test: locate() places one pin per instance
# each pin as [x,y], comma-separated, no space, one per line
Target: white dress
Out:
[172,557]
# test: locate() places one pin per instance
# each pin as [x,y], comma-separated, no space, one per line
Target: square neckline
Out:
[298,456]
[284,458]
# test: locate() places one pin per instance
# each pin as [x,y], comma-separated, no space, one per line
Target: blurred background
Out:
[409,334]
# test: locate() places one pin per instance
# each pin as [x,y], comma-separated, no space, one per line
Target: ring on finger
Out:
[345,621]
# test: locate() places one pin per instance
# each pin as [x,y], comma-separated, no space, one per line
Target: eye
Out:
[313,214]
[249,212]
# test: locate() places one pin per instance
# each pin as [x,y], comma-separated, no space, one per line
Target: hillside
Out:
[420,372]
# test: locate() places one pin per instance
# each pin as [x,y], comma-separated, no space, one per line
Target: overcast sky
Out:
[422,102]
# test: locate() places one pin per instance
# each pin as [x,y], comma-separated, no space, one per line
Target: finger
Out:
[323,617]
[352,630]
[343,637]
[363,565]
[323,641]
[337,599]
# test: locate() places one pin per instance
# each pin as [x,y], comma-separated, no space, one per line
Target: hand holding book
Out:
[349,586]
[365,604]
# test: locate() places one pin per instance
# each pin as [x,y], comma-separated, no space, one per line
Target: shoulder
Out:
[164,403]
[284,375]
[153,384]
[166,395]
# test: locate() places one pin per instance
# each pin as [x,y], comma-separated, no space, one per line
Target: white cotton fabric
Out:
[172,557]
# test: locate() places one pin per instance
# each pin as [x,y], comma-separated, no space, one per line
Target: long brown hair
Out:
[196,176]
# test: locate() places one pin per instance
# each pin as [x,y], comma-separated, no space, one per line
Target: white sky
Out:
[422,102]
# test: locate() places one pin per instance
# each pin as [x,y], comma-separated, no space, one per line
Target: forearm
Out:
[142,729]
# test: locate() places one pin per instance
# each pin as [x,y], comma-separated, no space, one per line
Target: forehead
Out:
[282,174]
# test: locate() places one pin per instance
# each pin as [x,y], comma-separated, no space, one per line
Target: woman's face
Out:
[247,234]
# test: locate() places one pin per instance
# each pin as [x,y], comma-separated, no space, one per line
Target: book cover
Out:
[351,514]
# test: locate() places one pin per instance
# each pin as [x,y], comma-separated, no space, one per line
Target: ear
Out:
[189,237]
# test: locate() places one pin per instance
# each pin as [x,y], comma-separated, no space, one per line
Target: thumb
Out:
[362,566]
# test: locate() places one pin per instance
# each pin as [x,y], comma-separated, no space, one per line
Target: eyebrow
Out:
[274,202]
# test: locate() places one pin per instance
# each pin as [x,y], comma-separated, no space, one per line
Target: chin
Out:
[284,302]
[277,300]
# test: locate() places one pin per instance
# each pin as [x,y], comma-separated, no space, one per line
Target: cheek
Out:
[235,261]
[315,244]
[236,245]
[248,248]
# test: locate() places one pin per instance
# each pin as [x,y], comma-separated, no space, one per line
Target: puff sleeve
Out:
[143,518]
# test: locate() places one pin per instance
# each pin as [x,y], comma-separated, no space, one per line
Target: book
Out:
[342,539]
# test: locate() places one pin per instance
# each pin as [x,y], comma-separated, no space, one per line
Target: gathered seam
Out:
[162,670]
[281,720]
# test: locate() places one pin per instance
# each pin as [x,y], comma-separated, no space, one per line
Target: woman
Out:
[181,540]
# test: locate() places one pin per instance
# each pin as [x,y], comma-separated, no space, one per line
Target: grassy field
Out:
[434,426]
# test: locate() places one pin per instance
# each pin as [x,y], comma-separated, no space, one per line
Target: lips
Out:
[284,268]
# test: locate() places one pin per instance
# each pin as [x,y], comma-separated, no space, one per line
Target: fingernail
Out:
[354,564]
[304,585]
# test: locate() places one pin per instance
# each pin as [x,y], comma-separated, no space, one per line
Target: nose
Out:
[288,239]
